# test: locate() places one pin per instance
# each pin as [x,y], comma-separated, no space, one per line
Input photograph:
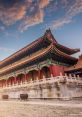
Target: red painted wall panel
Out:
[56,70]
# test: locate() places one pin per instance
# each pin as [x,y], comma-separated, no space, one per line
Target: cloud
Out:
[28,12]
[10,15]
[73,10]
[4,49]
[43,3]
[60,22]
[31,21]
[37,17]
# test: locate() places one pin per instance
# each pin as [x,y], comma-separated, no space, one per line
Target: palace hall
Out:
[44,69]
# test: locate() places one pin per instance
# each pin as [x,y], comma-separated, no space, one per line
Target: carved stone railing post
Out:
[31,81]
[74,75]
[61,74]
[37,79]
[66,75]
[21,83]
[51,75]
[70,75]
[44,79]
[78,76]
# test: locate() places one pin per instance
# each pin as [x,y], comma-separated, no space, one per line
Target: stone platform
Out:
[40,108]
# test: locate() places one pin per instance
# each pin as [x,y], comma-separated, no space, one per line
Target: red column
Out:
[15,80]
[24,77]
[11,81]
[39,74]
[2,83]
[6,82]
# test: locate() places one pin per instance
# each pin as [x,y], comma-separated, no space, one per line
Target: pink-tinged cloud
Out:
[32,12]
[9,16]
[43,3]
[20,12]
[73,10]
[31,21]
[36,18]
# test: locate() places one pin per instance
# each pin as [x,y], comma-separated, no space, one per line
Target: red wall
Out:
[56,70]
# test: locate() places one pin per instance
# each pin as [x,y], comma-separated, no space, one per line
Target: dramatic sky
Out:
[23,21]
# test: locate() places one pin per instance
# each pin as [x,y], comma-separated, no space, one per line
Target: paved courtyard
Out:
[40,109]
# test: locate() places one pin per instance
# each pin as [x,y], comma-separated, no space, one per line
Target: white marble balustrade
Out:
[59,79]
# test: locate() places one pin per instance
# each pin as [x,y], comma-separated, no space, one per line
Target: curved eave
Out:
[64,54]
[67,50]
[42,53]
[28,60]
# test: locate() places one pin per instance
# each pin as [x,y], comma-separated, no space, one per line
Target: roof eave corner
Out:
[49,35]
[77,50]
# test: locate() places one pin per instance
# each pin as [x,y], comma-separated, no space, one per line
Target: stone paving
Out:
[40,109]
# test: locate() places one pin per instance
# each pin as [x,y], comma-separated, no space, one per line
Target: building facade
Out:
[38,71]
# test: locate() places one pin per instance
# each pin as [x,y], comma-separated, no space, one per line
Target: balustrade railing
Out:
[59,79]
